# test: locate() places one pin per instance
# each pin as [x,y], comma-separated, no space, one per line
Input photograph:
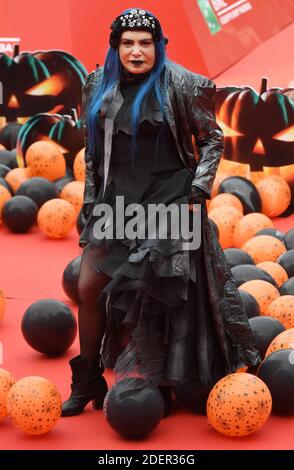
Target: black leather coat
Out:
[189,110]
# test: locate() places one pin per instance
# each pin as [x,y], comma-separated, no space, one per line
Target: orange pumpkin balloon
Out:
[284,340]
[275,195]
[2,304]
[17,176]
[226,218]
[226,199]
[73,192]
[248,226]
[34,405]
[263,292]
[79,166]
[46,160]
[56,218]
[264,248]
[277,271]
[4,197]
[6,382]
[282,309]
[239,404]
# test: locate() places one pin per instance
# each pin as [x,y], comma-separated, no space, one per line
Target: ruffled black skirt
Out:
[159,322]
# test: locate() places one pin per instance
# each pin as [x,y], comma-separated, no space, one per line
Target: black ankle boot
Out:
[87,384]
[166,393]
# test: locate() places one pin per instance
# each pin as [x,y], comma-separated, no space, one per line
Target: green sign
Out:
[209,16]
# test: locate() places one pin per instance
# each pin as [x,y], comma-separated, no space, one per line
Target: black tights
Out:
[91,312]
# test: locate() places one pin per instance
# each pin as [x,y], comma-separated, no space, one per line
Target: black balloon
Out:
[288,287]
[193,395]
[3,182]
[70,279]
[274,232]
[248,272]
[4,170]
[81,221]
[286,260]
[214,227]
[8,158]
[250,304]
[19,214]
[133,407]
[61,182]
[277,372]
[244,190]
[9,134]
[264,330]
[49,327]
[289,239]
[236,256]
[38,189]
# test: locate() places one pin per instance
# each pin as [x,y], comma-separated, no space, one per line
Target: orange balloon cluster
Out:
[73,192]
[284,340]
[275,195]
[239,404]
[275,270]
[46,160]
[282,309]
[264,248]
[79,166]
[6,382]
[4,197]
[226,219]
[2,304]
[34,405]
[263,292]
[56,218]
[248,226]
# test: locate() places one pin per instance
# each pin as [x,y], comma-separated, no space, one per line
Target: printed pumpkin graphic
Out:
[41,81]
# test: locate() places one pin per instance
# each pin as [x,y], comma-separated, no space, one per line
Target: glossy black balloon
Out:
[286,260]
[9,134]
[277,372]
[38,189]
[250,304]
[70,279]
[214,226]
[288,287]
[274,232]
[248,272]
[236,256]
[264,330]
[4,169]
[244,190]
[8,158]
[133,408]
[19,214]
[4,183]
[49,327]
[80,224]
[289,239]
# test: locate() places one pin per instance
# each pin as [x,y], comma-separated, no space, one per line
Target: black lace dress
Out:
[158,312]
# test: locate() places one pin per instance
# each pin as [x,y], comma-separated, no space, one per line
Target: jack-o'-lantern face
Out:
[258,129]
[44,81]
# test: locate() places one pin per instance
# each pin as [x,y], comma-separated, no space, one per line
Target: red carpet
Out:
[31,269]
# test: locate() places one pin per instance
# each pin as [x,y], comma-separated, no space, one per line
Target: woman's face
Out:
[137,51]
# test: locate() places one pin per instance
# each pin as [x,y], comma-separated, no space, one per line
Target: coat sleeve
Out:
[208,135]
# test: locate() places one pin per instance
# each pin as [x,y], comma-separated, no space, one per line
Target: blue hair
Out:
[111,76]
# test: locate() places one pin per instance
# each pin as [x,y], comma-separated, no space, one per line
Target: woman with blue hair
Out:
[151,306]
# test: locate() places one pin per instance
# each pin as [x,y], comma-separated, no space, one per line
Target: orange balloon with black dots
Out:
[17,176]
[6,382]
[73,192]
[264,248]
[282,309]
[263,292]
[226,219]
[239,405]
[46,160]
[4,197]
[275,195]
[79,166]
[226,199]
[275,270]
[248,226]
[56,218]
[34,405]
[284,340]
